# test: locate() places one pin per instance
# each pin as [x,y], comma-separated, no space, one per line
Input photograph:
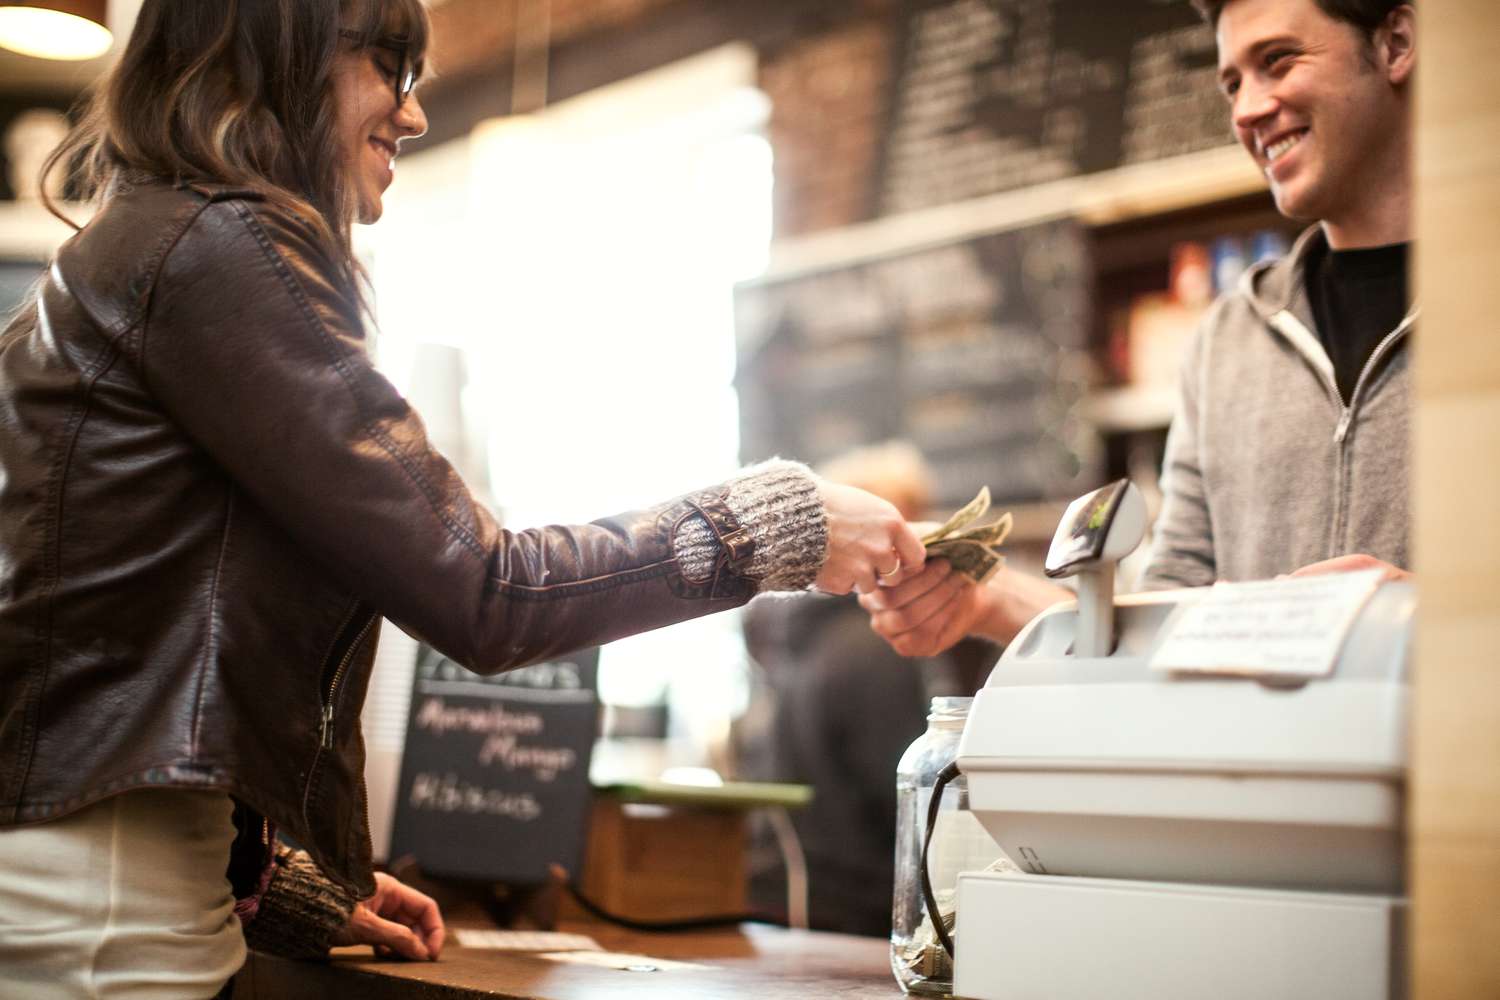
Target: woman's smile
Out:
[385,154]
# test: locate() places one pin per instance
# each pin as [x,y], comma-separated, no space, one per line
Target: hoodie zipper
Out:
[1293,329]
[1381,350]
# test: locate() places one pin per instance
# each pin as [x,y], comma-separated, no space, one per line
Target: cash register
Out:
[1202,789]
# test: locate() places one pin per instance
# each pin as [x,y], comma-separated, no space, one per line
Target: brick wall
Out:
[471,33]
[829,99]
[825,69]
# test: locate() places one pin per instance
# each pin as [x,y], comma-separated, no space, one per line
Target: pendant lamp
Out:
[54,29]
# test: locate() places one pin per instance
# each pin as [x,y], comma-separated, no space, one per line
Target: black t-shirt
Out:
[1357,296]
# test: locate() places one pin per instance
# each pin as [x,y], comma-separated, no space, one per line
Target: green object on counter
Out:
[730,795]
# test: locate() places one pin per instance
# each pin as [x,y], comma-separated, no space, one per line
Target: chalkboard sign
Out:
[992,95]
[494,780]
[971,350]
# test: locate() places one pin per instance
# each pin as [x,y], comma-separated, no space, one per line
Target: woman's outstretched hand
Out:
[397,920]
[869,544]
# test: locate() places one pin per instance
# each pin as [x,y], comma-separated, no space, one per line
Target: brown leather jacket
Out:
[208,498]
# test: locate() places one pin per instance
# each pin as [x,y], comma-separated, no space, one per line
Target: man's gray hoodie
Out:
[1267,469]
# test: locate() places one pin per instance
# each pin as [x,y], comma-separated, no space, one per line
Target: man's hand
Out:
[397,920]
[1352,564]
[870,545]
[928,613]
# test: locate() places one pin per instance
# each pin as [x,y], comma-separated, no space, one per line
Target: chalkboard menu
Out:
[494,780]
[992,95]
[971,350]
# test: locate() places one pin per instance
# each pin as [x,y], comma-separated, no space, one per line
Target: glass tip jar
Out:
[959,843]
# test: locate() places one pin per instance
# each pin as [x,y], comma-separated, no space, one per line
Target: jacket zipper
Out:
[326,710]
[1293,329]
[326,736]
[325,732]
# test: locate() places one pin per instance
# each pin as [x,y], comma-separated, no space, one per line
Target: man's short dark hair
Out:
[1366,15]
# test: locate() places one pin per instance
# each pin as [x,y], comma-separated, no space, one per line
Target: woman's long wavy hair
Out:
[236,92]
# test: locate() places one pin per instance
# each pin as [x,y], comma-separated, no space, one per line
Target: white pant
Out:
[125,899]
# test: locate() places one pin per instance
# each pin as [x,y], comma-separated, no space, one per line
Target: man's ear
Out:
[1396,44]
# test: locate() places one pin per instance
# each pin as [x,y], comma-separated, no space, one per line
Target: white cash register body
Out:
[1183,836]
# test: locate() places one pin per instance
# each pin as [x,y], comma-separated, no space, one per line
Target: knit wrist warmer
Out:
[300,911]
[778,503]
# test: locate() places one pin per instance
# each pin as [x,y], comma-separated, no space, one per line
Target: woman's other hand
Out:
[869,544]
[397,920]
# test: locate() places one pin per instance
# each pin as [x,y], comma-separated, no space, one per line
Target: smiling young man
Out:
[1290,445]
[1289,451]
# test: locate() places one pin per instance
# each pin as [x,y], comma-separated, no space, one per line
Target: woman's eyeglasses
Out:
[405,77]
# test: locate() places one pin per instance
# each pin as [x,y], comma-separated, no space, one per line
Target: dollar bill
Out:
[971,549]
[993,533]
[924,954]
[975,561]
[966,515]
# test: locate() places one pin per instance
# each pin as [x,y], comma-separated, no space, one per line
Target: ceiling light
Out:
[55,29]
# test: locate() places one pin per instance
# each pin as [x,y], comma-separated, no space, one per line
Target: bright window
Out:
[580,262]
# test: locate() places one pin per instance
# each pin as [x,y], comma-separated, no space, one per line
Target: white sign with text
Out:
[1290,628]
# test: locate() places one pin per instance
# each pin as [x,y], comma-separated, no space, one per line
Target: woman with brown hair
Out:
[209,498]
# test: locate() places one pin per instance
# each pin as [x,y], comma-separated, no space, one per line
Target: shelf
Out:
[1132,408]
[1105,198]
[1148,189]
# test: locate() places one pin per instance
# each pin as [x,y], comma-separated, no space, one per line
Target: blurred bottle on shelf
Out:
[1190,280]
[1268,244]
[1160,324]
[1147,336]
[1231,256]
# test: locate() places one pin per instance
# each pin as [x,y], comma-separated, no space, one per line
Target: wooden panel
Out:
[1456,788]
[1455,782]
[1457,448]
[1458,197]
[1455,800]
[1454,918]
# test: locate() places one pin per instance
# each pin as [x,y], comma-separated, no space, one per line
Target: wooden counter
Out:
[752,962]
